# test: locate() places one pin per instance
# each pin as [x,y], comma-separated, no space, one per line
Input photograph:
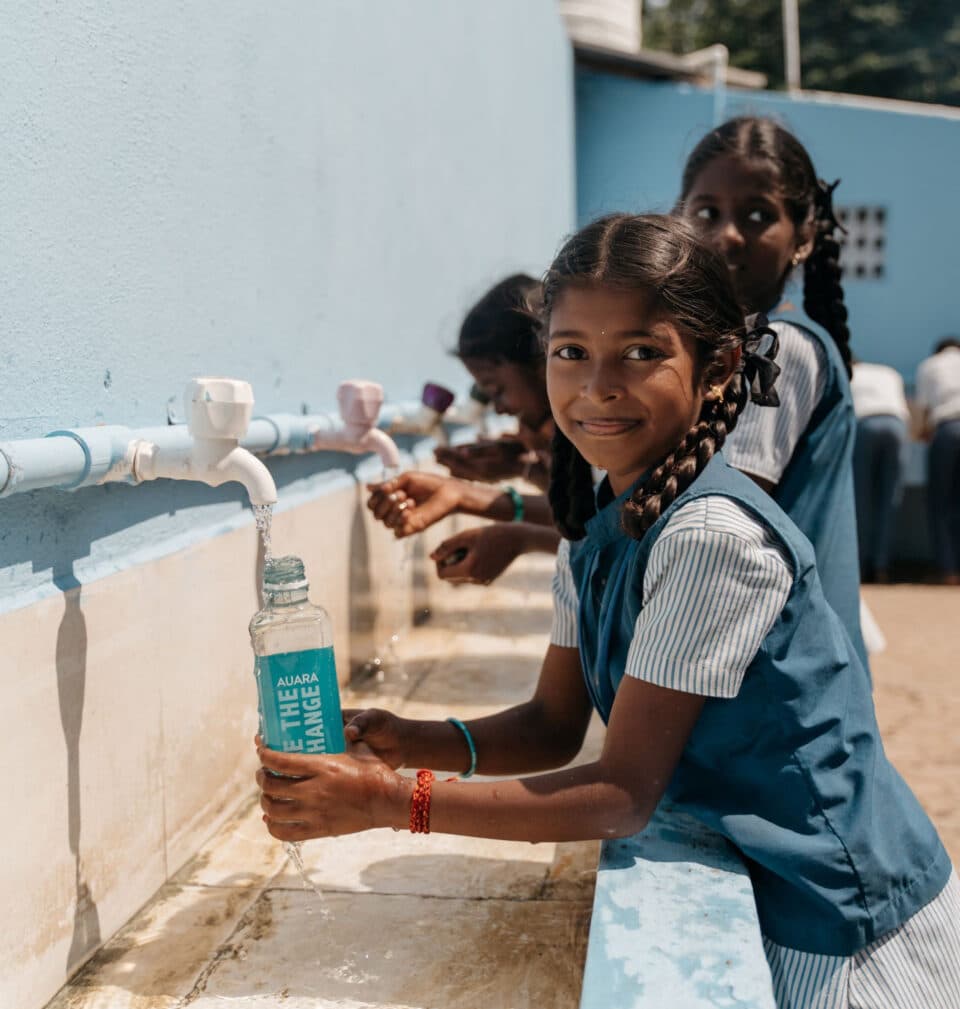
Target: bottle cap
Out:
[284,574]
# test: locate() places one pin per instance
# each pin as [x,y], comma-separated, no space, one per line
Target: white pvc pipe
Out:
[61,459]
[84,457]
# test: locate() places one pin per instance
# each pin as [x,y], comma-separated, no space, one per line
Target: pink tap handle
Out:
[360,402]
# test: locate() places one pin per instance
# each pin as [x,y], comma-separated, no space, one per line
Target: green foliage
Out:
[908,49]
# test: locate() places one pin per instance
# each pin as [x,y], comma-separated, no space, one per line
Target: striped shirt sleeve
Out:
[564,629]
[715,582]
[765,438]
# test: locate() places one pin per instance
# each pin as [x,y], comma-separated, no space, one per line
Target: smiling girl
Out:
[689,614]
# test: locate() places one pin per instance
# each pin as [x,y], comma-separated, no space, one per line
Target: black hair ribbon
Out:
[759,368]
[823,201]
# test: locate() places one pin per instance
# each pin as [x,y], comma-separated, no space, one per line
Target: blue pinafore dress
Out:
[791,770]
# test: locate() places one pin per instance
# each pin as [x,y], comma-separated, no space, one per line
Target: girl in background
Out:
[689,614]
[879,459]
[499,344]
[751,190]
[938,396]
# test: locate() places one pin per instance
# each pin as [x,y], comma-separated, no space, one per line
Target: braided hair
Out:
[808,199]
[664,255]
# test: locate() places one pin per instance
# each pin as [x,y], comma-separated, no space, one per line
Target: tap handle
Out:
[218,407]
[436,397]
[360,402]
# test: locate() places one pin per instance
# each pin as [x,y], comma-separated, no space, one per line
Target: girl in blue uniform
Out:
[751,190]
[689,614]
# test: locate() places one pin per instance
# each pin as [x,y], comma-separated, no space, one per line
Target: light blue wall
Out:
[634,136]
[289,193]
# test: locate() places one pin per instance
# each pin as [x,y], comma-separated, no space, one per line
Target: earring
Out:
[796,259]
[716,392]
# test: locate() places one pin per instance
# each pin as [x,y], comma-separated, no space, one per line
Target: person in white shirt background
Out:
[938,396]
[879,458]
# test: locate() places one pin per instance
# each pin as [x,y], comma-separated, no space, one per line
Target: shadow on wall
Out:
[71,661]
[363,602]
[53,530]
[420,583]
[383,596]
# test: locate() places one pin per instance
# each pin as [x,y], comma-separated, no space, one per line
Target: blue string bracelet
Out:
[473,749]
[517,499]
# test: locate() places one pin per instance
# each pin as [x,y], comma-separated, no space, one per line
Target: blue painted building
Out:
[634,134]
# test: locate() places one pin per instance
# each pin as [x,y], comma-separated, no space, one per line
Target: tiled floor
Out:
[432,922]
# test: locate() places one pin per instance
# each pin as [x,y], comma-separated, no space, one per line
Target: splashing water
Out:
[294,850]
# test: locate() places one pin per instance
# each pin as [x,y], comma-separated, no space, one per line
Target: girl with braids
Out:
[689,614]
[751,190]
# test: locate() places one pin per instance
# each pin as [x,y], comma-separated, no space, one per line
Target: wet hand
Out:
[478,555]
[413,501]
[485,460]
[325,795]
[379,733]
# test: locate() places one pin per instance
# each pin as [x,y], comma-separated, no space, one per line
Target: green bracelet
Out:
[517,499]
[470,744]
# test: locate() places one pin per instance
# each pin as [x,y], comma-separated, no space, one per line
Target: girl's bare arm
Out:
[610,797]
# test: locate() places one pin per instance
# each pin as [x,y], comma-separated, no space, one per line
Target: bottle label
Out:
[300,702]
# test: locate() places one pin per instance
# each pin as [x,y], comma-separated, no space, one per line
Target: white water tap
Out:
[359,403]
[218,415]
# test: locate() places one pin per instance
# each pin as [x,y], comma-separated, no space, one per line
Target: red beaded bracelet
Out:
[420,803]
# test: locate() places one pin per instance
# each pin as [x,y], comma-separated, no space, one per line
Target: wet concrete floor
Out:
[420,922]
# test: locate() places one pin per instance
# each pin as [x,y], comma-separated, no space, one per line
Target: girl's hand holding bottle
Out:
[381,733]
[324,795]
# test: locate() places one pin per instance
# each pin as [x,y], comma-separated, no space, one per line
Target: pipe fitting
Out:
[5,471]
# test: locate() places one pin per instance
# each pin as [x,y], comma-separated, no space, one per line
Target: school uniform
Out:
[805,447]
[721,597]
[938,392]
[879,458]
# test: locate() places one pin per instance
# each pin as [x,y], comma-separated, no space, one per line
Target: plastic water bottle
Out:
[296,677]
